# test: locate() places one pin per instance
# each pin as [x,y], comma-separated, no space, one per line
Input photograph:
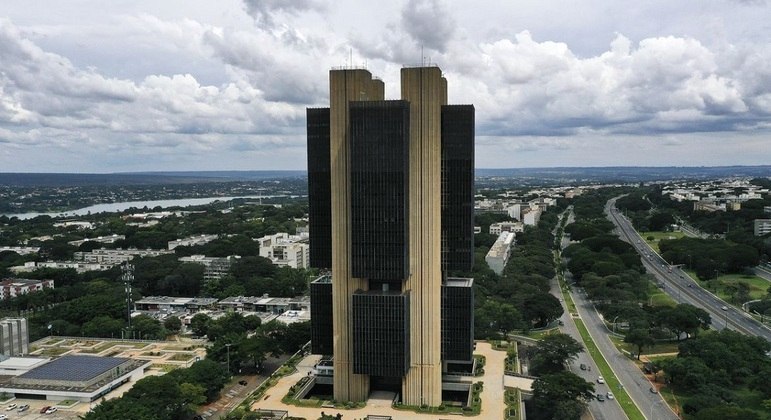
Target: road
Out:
[234,394]
[600,410]
[634,381]
[681,287]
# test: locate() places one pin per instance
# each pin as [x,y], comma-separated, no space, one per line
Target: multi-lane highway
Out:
[636,385]
[681,287]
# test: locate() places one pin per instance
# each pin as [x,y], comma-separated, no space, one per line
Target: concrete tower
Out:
[387,226]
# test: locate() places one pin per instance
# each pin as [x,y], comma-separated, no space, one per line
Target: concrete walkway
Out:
[493,404]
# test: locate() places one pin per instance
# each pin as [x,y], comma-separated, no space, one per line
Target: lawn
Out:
[658,348]
[659,236]
[758,285]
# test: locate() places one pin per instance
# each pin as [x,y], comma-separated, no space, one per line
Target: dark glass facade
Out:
[319,184]
[379,182]
[381,338]
[321,315]
[457,187]
[457,320]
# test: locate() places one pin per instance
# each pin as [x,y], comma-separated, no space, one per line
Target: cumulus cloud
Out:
[665,84]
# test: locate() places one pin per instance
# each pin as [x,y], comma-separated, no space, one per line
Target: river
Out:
[116,207]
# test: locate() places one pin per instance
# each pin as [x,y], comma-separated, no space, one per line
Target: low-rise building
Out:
[499,253]
[117,256]
[498,228]
[192,241]
[285,251]
[531,216]
[99,239]
[21,250]
[762,227]
[173,304]
[13,287]
[214,267]
[80,267]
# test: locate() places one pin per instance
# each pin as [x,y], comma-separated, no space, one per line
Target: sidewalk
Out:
[493,405]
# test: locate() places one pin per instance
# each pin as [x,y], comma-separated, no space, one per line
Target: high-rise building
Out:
[391,213]
[14,337]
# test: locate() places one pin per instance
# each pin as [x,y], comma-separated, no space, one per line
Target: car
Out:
[600,397]
[44,409]
[600,380]
[3,417]
[243,382]
[10,407]
[582,366]
[22,408]
[725,308]
[690,284]
[51,410]
[654,390]
[610,395]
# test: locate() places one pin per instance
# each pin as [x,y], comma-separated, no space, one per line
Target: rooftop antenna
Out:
[350,56]
[422,57]
[128,278]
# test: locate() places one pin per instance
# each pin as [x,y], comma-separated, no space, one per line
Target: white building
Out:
[499,253]
[117,256]
[191,241]
[285,250]
[214,267]
[762,227]
[497,228]
[530,217]
[21,250]
[80,267]
[14,337]
[15,287]
[100,239]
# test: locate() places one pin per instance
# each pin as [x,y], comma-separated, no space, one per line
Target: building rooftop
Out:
[74,368]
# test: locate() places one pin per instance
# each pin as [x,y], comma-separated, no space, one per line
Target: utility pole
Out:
[128,278]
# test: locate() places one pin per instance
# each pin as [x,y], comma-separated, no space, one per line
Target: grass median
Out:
[626,403]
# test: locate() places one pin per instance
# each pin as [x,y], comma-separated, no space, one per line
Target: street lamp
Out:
[228,347]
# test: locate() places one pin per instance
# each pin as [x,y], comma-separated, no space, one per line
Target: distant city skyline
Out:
[194,85]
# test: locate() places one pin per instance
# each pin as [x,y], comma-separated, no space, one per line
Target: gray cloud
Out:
[429,23]
[265,11]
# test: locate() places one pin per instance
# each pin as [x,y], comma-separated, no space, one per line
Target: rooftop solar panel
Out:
[75,368]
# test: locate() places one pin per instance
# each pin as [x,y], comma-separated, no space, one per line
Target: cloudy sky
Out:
[147,85]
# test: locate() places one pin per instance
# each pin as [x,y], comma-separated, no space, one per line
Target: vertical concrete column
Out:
[345,86]
[426,90]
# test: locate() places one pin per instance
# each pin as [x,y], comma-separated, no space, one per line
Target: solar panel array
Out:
[75,368]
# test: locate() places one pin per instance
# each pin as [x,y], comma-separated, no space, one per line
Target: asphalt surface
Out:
[631,377]
[681,287]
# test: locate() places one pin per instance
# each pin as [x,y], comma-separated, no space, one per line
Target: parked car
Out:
[243,382]
[22,408]
[3,417]
[51,410]
[600,380]
[44,409]
[600,397]
[582,366]
[654,390]
[10,407]
[610,395]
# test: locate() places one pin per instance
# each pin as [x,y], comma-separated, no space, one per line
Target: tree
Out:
[498,317]
[147,327]
[541,308]
[200,324]
[173,324]
[552,352]
[559,394]
[103,326]
[640,337]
